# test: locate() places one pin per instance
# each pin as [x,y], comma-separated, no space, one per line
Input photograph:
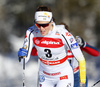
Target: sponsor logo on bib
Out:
[48,42]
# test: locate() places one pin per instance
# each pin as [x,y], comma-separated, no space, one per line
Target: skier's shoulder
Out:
[61,29]
[32,28]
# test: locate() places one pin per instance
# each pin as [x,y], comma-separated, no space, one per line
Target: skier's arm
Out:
[25,51]
[82,64]
[75,49]
[90,50]
[86,47]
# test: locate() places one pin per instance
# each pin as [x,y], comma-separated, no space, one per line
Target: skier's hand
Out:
[82,85]
[22,53]
[80,41]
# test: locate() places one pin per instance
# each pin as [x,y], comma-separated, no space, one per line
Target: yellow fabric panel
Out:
[82,70]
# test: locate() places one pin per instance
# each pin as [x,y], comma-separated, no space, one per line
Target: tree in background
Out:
[82,16]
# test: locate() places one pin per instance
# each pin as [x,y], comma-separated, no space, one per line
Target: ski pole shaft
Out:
[95,83]
[23,72]
[23,63]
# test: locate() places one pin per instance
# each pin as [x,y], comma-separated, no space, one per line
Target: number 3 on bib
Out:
[48,53]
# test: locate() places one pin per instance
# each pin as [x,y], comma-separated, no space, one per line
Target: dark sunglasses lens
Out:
[43,25]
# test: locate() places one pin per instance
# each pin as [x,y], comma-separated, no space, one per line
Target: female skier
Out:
[51,42]
[84,47]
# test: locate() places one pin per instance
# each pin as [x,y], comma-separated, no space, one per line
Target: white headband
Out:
[43,16]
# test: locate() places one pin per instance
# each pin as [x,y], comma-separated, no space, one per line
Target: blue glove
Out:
[22,53]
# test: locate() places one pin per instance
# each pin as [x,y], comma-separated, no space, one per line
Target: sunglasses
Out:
[42,25]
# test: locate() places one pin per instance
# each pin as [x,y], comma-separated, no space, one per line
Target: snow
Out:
[11,71]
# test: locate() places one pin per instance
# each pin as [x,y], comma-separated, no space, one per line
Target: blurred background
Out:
[82,17]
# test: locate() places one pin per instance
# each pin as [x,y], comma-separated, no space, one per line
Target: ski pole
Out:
[23,72]
[24,68]
[95,83]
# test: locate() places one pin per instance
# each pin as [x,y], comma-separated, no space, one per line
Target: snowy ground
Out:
[11,72]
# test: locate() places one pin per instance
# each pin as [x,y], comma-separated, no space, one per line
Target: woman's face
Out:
[44,27]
